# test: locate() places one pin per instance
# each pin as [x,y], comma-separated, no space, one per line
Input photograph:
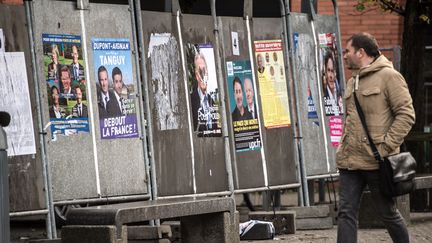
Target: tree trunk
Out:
[412,63]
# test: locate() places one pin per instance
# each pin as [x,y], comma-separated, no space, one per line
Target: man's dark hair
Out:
[116,71]
[327,57]
[63,69]
[237,80]
[53,88]
[102,69]
[367,42]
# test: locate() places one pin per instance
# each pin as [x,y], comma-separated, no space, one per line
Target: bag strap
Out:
[363,121]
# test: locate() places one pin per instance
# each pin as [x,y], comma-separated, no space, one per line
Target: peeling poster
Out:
[15,100]
[165,63]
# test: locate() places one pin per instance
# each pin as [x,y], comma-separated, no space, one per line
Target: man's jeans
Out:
[352,184]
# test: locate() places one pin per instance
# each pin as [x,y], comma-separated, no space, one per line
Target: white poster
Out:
[15,100]
[235,44]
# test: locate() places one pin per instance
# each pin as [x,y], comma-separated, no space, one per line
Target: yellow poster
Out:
[272,83]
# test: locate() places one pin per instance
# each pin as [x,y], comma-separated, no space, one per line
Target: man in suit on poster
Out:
[251,107]
[79,109]
[202,102]
[77,70]
[106,98]
[119,89]
[240,112]
[55,111]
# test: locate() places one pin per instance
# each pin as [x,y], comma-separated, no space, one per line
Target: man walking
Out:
[384,97]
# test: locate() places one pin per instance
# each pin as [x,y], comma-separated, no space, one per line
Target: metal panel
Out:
[121,161]
[209,155]
[328,24]
[278,142]
[72,158]
[167,96]
[248,166]
[313,134]
[25,172]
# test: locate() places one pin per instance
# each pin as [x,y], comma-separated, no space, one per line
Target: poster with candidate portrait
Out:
[66,84]
[273,84]
[116,90]
[204,91]
[243,106]
[332,91]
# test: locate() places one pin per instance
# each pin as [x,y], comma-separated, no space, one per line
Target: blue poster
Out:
[312,114]
[116,90]
[66,84]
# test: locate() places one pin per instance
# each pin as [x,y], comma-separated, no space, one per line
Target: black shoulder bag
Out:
[397,172]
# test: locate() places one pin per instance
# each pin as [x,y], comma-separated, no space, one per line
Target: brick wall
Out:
[386,27]
[12,2]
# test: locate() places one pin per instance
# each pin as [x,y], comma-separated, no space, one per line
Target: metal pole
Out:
[339,44]
[184,64]
[148,155]
[139,45]
[225,135]
[28,213]
[50,220]
[291,89]
[4,189]
[249,37]
[298,133]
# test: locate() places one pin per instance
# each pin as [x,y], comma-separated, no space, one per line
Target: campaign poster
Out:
[272,83]
[66,84]
[312,113]
[116,90]
[15,99]
[332,90]
[336,125]
[204,91]
[243,106]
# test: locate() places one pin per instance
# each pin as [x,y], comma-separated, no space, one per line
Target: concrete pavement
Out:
[420,232]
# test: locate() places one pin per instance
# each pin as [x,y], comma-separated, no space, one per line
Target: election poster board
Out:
[305,70]
[15,100]
[204,93]
[66,84]
[332,90]
[242,101]
[116,90]
[272,83]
